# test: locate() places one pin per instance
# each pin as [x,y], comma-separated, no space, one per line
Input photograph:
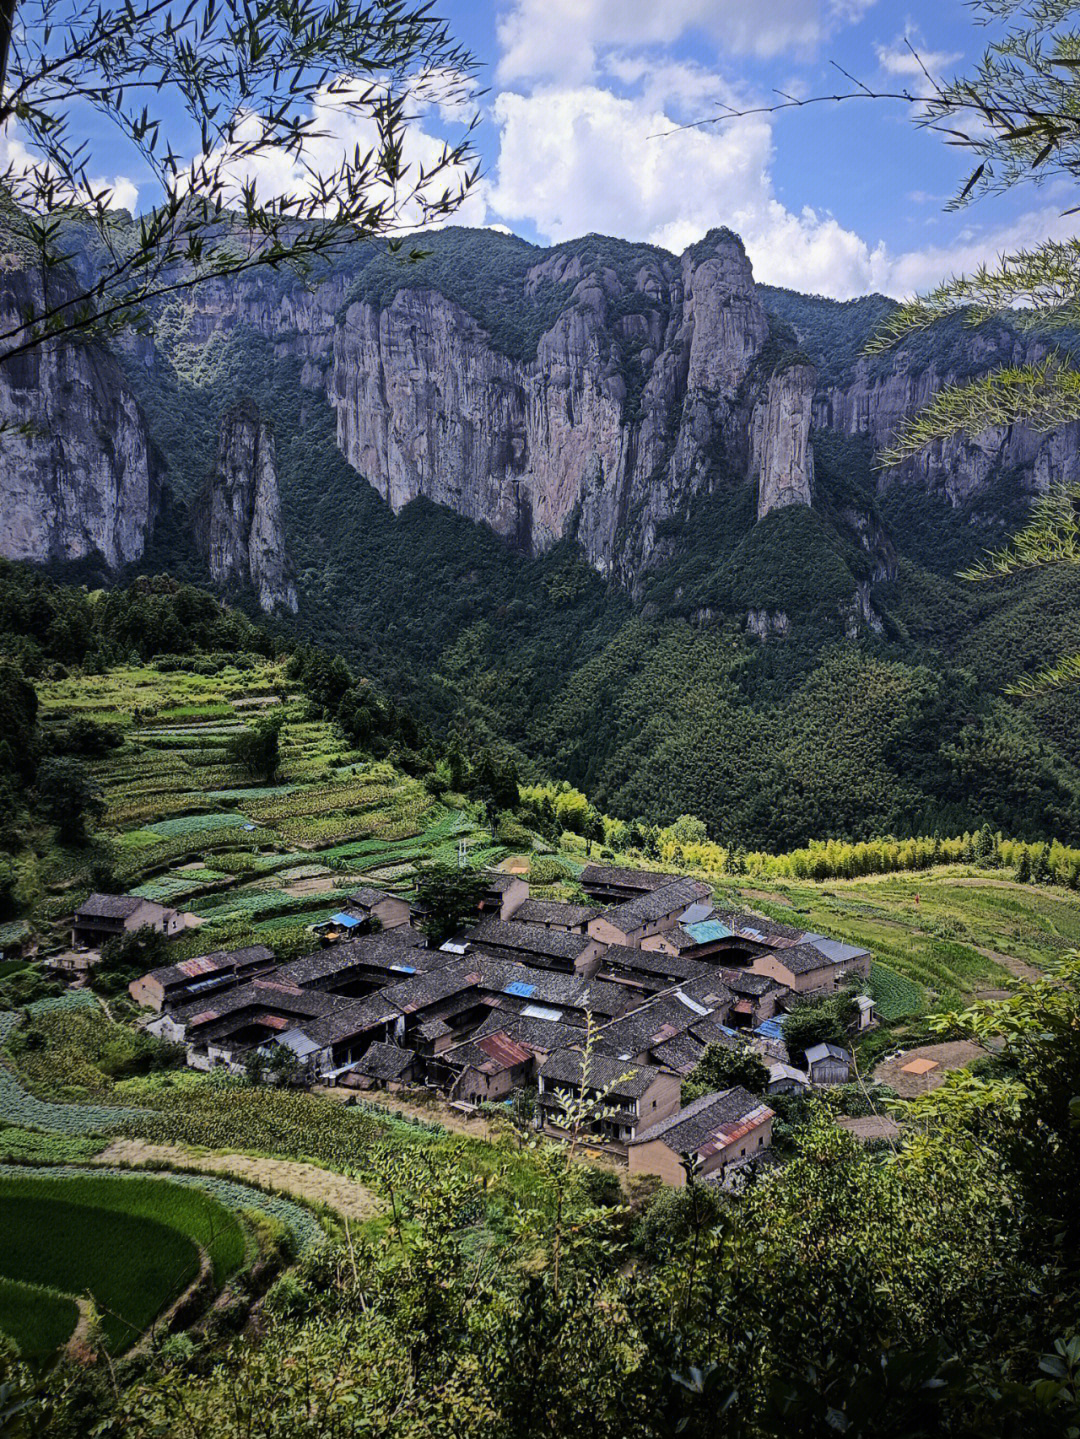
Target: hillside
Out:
[681,633]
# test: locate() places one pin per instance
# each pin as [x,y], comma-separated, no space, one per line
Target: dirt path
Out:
[1018,968]
[78,1346]
[286,1176]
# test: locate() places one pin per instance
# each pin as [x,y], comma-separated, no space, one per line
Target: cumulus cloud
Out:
[908,57]
[576,159]
[18,163]
[561,39]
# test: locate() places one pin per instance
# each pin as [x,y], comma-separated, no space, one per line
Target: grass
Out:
[37,1319]
[132,1265]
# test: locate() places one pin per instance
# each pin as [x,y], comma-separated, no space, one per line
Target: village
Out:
[610,1002]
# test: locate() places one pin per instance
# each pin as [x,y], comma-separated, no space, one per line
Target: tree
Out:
[824,1021]
[284,1066]
[257,748]
[723,1068]
[68,795]
[129,955]
[240,85]
[449,896]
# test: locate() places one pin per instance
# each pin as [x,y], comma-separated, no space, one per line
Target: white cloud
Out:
[561,39]
[579,159]
[18,161]
[908,56]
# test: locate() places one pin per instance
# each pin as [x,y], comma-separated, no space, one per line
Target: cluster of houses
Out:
[648,961]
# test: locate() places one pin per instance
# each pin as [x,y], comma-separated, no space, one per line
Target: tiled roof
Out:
[490,1053]
[528,939]
[621,957]
[369,898]
[110,906]
[660,1019]
[553,911]
[803,958]
[670,898]
[710,1123]
[384,1061]
[537,1034]
[565,1067]
[219,961]
[612,876]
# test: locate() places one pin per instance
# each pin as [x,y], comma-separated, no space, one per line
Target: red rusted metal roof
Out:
[274,1021]
[743,1006]
[204,1016]
[201,964]
[506,1051]
[277,984]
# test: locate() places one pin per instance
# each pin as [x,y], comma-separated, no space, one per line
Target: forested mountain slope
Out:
[619,510]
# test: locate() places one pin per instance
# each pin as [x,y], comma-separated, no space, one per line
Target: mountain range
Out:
[614,508]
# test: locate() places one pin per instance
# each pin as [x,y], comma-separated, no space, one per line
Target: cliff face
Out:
[77,477]
[646,381]
[243,532]
[426,406]
[781,454]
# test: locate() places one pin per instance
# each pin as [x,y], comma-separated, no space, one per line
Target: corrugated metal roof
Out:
[505,1051]
[347,921]
[274,1021]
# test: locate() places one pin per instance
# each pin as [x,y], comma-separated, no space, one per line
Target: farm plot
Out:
[36,1319]
[60,1234]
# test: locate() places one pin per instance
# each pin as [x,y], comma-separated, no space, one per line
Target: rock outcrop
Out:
[242,528]
[426,406]
[77,474]
[782,458]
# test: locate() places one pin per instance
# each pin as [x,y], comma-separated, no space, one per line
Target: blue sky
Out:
[580,117]
[838,199]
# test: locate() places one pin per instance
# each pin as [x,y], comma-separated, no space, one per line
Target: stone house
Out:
[813,964]
[723,1130]
[389,909]
[102,917]
[636,1095]
[536,945]
[178,984]
[649,914]
[483,1070]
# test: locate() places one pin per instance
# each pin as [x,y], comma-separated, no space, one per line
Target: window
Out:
[743,1149]
[761,1140]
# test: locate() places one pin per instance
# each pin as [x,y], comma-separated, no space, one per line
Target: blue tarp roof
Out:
[521,990]
[771,1028]
[349,921]
[707,930]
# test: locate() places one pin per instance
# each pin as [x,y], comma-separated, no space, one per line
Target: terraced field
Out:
[938,938]
[133,1245]
[190,828]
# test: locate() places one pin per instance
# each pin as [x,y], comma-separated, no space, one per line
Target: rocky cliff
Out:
[597,389]
[640,393]
[782,458]
[77,475]
[241,518]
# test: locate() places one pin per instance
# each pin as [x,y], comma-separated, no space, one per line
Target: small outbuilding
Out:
[828,1064]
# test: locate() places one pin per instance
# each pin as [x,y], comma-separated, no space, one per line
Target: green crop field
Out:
[132,1265]
[37,1320]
